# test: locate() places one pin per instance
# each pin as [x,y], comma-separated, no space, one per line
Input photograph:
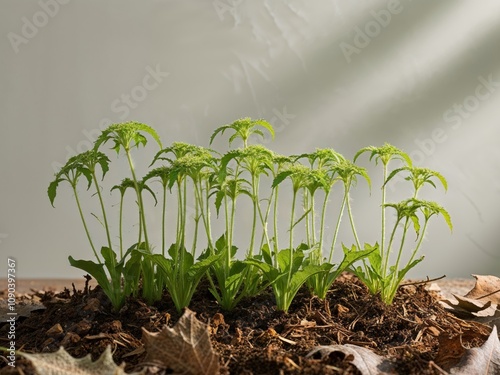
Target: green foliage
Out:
[181,278]
[378,274]
[197,183]
[117,279]
[243,129]
[228,276]
[288,275]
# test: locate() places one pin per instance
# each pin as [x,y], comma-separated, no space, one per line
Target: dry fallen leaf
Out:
[468,306]
[367,362]
[481,361]
[184,349]
[487,288]
[61,363]
[451,349]
[481,303]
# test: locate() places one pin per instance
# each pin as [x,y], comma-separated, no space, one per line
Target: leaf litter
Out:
[415,335]
[481,303]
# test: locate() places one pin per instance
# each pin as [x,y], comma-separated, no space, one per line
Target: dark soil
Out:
[255,338]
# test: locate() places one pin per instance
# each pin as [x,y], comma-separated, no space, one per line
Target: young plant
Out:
[407,213]
[71,172]
[346,172]
[126,184]
[126,136]
[109,274]
[202,179]
[378,275]
[235,279]
[286,270]
[118,278]
[189,172]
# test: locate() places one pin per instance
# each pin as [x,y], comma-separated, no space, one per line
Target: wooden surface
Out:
[55,285]
[447,286]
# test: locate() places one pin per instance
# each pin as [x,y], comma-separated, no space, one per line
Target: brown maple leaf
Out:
[184,349]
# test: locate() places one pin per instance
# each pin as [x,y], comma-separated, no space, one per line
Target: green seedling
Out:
[236,280]
[346,172]
[379,275]
[285,270]
[203,180]
[118,279]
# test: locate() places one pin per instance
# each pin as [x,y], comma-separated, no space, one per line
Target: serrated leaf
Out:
[484,360]
[52,190]
[367,362]
[61,363]
[280,177]
[184,349]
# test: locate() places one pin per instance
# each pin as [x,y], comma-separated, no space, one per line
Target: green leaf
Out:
[266,254]
[132,272]
[221,130]
[280,177]
[393,174]
[127,135]
[52,190]
[385,153]
[350,257]
[199,268]
[167,265]
[243,128]
[96,270]
[270,273]
[301,276]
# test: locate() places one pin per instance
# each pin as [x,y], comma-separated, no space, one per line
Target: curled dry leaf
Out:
[184,349]
[61,363]
[367,362]
[480,302]
[451,348]
[487,288]
[484,360]
[468,306]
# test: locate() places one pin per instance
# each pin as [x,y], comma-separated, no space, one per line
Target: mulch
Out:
[255,338]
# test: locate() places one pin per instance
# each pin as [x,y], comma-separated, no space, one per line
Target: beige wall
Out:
[422,75]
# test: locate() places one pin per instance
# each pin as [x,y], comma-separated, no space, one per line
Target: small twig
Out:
[86,290]
[424,282]
[489,294]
